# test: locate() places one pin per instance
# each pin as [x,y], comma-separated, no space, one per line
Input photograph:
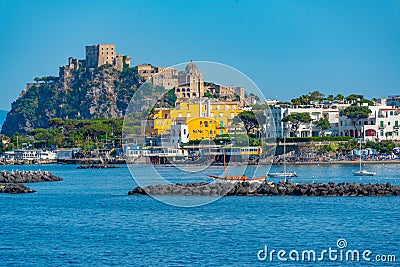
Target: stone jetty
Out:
[12,182]
[15,189]
[28,177]
[270,189]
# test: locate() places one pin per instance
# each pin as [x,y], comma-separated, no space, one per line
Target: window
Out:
[388,123]
[396,123]
[221,132]
[381,123]
[205,124]
[221,114]
[221,124]
[180,115]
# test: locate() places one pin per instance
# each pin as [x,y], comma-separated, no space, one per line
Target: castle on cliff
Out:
[96,56]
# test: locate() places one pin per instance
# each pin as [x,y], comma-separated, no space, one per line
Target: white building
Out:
[48,155]
[382,124]
[277,113]
[179,134]
[65,154]
[27,154]
[394,101]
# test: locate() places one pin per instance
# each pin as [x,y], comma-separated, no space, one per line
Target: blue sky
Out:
[287,47]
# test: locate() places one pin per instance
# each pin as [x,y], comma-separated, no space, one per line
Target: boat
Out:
[284,173]
[237,178]
[362,172]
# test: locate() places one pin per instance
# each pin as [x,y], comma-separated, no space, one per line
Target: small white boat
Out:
[363,173]
[282,174]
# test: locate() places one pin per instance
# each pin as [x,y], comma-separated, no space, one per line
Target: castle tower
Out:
[102,54]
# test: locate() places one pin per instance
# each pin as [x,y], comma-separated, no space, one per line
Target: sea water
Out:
[88,219]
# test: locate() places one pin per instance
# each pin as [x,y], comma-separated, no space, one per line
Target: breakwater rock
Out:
[28,177]
[270,189]
[15,189]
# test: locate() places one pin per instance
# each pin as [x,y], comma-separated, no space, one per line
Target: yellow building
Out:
[205,121]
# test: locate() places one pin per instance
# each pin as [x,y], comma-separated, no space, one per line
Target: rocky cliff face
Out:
[3,115]
[84,94]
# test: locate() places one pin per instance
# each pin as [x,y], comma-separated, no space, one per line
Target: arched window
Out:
[194,94]
[183,89]
[205,124]
[188,90]
[178,90]
[201,124]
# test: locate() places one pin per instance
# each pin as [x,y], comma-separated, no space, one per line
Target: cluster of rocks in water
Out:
[12,182]
[15,189]
[270,189]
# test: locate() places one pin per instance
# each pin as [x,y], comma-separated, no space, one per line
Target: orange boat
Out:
[241,178]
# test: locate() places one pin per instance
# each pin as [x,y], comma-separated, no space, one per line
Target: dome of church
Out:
[191,68]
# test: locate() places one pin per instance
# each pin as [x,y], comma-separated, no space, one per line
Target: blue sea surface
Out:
[89,220]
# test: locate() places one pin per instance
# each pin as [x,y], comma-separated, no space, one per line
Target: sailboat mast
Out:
[284,157]
[224,164]
[360,155]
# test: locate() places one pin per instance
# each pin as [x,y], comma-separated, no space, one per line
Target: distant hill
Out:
[3,115]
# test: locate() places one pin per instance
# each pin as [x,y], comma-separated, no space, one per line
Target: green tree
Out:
[323,124]
[249,120]
[296,119]
[339,97]
[354,98]
[355,114]
[330,98]
[316,95]
[208,94]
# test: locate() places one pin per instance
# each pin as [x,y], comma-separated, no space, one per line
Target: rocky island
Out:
[12,182]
